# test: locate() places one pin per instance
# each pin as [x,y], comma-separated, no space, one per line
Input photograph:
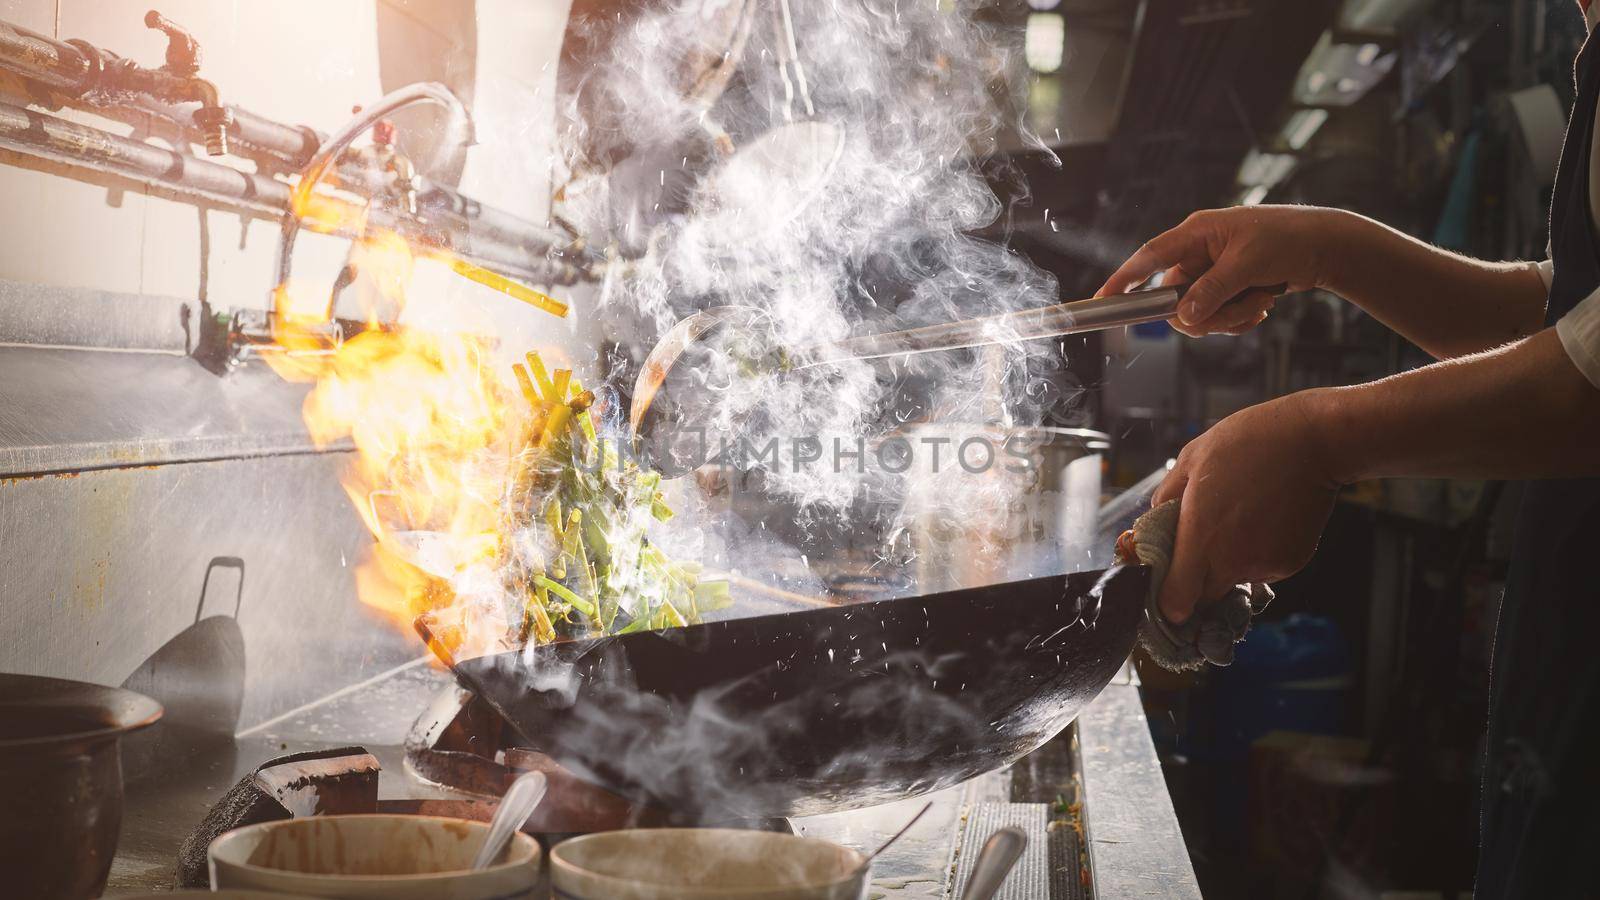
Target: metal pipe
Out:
[49,137]
[50,62]
[43,136]
[505,228]
[293,146]
[398,99]
[288,145]
[210,117]
[73,68]
[76,69]
[295,143]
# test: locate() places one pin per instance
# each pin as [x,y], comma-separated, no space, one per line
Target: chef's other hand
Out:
[1256,495]
[1225,253]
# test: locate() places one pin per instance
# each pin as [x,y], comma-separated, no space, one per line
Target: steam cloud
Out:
[878,241]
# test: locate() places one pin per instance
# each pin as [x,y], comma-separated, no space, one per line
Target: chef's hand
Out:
[1225,252]
[1256,494]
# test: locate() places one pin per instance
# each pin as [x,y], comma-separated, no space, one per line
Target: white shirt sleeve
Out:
[1579,331]
[1547,272]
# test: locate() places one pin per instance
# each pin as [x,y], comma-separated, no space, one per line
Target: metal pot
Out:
[981,505]
[999,503]
[61,782]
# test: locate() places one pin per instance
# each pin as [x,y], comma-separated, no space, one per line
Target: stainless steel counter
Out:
[1135,846]
[1107,760]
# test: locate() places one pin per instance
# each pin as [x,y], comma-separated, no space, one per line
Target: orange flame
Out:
[500,516]
[436,435]
[436,439]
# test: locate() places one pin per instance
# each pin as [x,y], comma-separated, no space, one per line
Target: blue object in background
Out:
[1151,330]
[1455,220]
[1292,675]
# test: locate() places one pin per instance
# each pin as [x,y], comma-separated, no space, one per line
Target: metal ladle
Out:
[519,802]
[669,403]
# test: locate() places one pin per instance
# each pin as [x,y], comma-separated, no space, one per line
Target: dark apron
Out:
[1541,786]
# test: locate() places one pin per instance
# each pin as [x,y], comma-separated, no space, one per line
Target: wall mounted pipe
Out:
[43,136]
[52,63]
[74,69]
[79,69]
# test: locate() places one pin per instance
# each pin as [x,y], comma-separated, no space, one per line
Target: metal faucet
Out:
[183,62]
[404,185]
[321,161]
[398,99]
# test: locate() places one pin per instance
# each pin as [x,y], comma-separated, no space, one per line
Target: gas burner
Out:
[320,782]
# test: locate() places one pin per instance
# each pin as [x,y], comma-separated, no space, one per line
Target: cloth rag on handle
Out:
[1209,635]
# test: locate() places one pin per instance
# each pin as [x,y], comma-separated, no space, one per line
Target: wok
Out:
[822,710]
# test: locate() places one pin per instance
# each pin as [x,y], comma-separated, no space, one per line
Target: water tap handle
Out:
[183,62]
[183,51]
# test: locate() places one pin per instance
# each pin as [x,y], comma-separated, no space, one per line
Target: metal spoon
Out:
[1000,852]
[515,807]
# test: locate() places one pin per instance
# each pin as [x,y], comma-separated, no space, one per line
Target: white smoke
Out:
[871,235]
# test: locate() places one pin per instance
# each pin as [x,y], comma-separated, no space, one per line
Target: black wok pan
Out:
[823,710]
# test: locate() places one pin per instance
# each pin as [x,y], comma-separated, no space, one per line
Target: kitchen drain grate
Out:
[1030,877]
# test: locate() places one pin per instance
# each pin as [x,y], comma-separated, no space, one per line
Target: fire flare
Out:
[500,515]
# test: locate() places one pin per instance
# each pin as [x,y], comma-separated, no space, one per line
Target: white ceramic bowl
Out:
[394,857]
[705,864]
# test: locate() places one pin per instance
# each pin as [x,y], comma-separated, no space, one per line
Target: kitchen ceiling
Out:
[1205,80]
[1150,113]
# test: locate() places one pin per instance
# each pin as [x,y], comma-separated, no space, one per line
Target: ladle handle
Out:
[1075,317]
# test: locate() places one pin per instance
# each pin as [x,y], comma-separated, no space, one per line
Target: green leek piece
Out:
[560,590]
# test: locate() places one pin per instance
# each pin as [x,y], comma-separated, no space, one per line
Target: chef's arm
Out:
[1519,411]
[1258,487]
[1445,303]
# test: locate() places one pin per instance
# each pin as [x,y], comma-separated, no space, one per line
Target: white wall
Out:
[298,62]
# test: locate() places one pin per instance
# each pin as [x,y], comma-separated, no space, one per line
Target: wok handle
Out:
[1139,307]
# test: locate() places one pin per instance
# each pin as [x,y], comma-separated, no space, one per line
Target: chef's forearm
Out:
[1449,305]
[1519,411]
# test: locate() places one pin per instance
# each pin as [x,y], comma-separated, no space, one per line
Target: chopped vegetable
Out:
[582,514]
